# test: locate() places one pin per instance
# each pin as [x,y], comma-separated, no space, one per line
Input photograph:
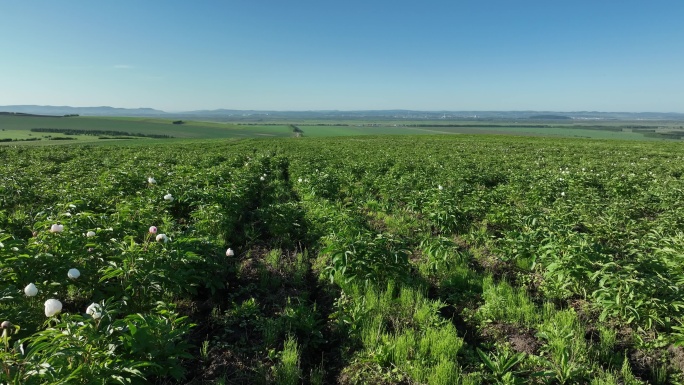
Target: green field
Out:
[433,259]
[19,128]
[318,131]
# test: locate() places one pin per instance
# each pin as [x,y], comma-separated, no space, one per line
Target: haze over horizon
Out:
[269,55]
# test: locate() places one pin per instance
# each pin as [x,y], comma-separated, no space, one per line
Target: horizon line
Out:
[338,110]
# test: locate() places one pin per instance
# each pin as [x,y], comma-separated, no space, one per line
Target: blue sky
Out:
[601,55]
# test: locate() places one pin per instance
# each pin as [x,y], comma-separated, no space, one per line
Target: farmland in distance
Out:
[41,130]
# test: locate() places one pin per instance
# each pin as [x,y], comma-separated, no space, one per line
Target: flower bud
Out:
[153,230]
[90,234]
[30,290]
[230,252]
[73,273]
[52,307]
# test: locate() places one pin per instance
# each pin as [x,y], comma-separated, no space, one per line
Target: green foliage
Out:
[566,349]
[402,334]
[502,366]
[502,302]
[109,350]
[369,258]
[287,372]
[364,260]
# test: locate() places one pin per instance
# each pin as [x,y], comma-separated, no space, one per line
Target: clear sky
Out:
[598,55]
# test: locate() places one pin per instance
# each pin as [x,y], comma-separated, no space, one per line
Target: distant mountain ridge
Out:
[88,111]
[258,115]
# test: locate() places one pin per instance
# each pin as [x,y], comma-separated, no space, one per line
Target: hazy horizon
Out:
[339,110]
[352,56]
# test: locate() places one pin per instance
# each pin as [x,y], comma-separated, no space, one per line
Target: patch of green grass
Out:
[189,130]
[504,302]
[287,372]
[475,128]
[27,137]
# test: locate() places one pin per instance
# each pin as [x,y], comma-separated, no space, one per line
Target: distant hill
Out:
[550,117]
[25,114]
[85,111]
[265,115]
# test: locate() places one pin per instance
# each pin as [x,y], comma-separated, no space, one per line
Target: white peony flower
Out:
[262,178]
[90,234]
[300,180]
[162,238]
[30,290]
[52,307]
[151,180]
[73,273]
[56,228]
[15,249]
[230,252]
[440,187]
[94,310]
[563,193]
[168,197]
